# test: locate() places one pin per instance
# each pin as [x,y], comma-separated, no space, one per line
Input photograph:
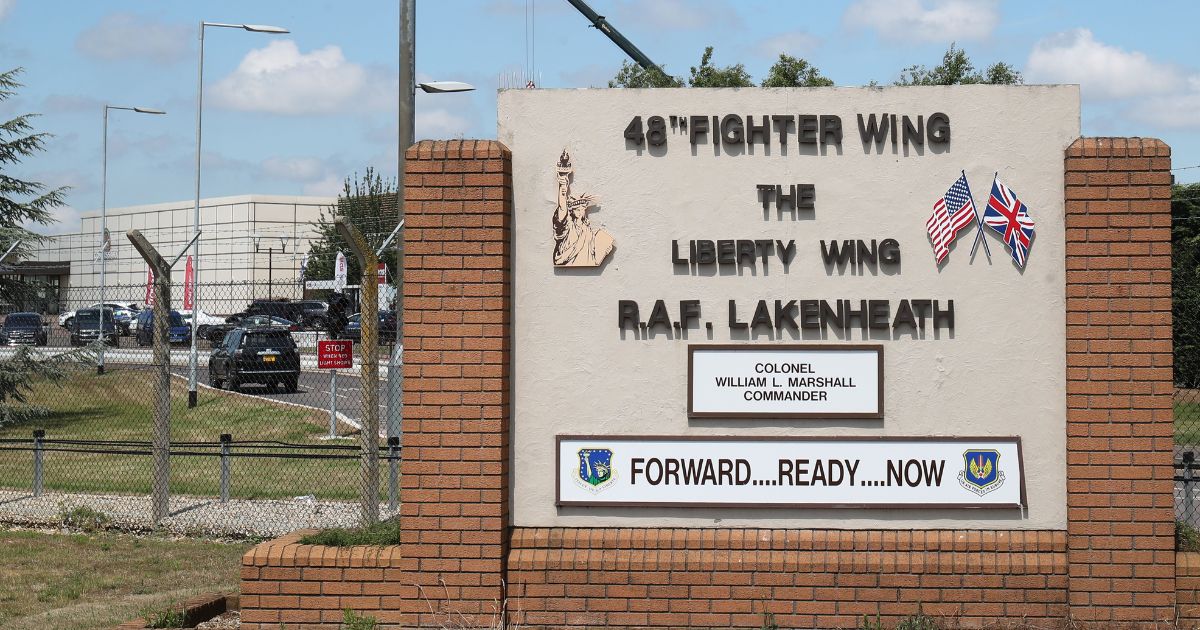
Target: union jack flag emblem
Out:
[1009,217]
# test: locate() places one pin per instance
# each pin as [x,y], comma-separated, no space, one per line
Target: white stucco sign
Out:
[747,273]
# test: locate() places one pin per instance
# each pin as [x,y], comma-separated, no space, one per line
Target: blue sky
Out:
[297,113]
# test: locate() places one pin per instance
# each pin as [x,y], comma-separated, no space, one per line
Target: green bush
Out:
[84,518]
[1187,538]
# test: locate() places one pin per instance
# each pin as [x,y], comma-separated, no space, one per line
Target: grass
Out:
[89,582]
[118,405]
[1187,422]
[379,534]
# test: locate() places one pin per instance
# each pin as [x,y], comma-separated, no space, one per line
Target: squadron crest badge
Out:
[595,469]
[981,471]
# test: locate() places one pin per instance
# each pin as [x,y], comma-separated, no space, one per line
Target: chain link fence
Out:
[272,444]
[1185,302]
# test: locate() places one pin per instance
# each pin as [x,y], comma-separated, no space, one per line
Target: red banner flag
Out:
[188,285]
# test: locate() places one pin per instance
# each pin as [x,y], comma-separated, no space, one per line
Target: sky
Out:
[298,113]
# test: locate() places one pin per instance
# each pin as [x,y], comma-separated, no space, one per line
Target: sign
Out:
[335,355]
[189,286]
[382,273]
[790,472]
[718,262]
[785,381]
[339,272]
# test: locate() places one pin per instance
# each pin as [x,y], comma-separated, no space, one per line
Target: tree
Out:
[956,69]
[1185,282]
[710,76]
[368,203]
[631,75]
[22,202]
[790,71]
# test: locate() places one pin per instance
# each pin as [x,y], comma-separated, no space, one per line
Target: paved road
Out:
[313,391]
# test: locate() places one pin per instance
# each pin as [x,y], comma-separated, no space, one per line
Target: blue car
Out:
[177,331]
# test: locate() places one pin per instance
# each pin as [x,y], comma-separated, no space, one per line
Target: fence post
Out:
[393,443]
[38,436]
[368,375]
[225,440]
[332,404]
[161,444]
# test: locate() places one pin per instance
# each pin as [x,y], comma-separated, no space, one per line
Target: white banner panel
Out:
[894,472]
[785,381]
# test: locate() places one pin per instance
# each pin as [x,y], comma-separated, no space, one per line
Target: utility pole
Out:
[405,122]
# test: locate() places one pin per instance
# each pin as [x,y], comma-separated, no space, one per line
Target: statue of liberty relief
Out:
[576,242]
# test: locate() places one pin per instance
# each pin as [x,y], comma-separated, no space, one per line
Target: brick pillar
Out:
[457,287]
[1120,431]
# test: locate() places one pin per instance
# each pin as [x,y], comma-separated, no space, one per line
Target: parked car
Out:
[314,315]
[216,333]
[23,328]
[203,321]
[293,311]
[124,313]
[255,355]
[177,331]
[387,327]
[91,324]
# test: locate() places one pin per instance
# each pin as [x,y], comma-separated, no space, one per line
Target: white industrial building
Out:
[232,272]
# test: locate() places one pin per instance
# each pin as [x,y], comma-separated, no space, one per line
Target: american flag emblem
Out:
[951,213]
[1009,217]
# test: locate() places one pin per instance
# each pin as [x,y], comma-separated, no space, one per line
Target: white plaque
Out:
[785,381]
[778,472]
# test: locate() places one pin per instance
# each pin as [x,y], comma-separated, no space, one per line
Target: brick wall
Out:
[806,578]
[1119,383]
[455,504]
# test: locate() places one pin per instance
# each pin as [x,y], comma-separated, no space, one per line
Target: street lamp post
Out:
[270,259]
[104,241]
[253,28]
[405,120]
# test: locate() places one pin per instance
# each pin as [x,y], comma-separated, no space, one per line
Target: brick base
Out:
[805,578]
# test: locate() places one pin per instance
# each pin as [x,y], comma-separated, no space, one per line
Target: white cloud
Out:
[6,7]
[1102,71]
[795,43]
[279,79]
[925,20]
[1172,112]
[58,103]
[298,169]
[66,221]
[120,36]
[328,186]
[440,123]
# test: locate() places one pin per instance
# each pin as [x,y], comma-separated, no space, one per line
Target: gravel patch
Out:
[225,621]
[190,516]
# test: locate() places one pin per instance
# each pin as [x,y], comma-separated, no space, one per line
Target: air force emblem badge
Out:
[981,471]
[596,470]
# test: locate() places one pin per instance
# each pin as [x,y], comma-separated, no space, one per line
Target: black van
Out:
[23,328]
[90,324]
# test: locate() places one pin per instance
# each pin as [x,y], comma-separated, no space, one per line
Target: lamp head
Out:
[440,87]
[148,110]
[264,28]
